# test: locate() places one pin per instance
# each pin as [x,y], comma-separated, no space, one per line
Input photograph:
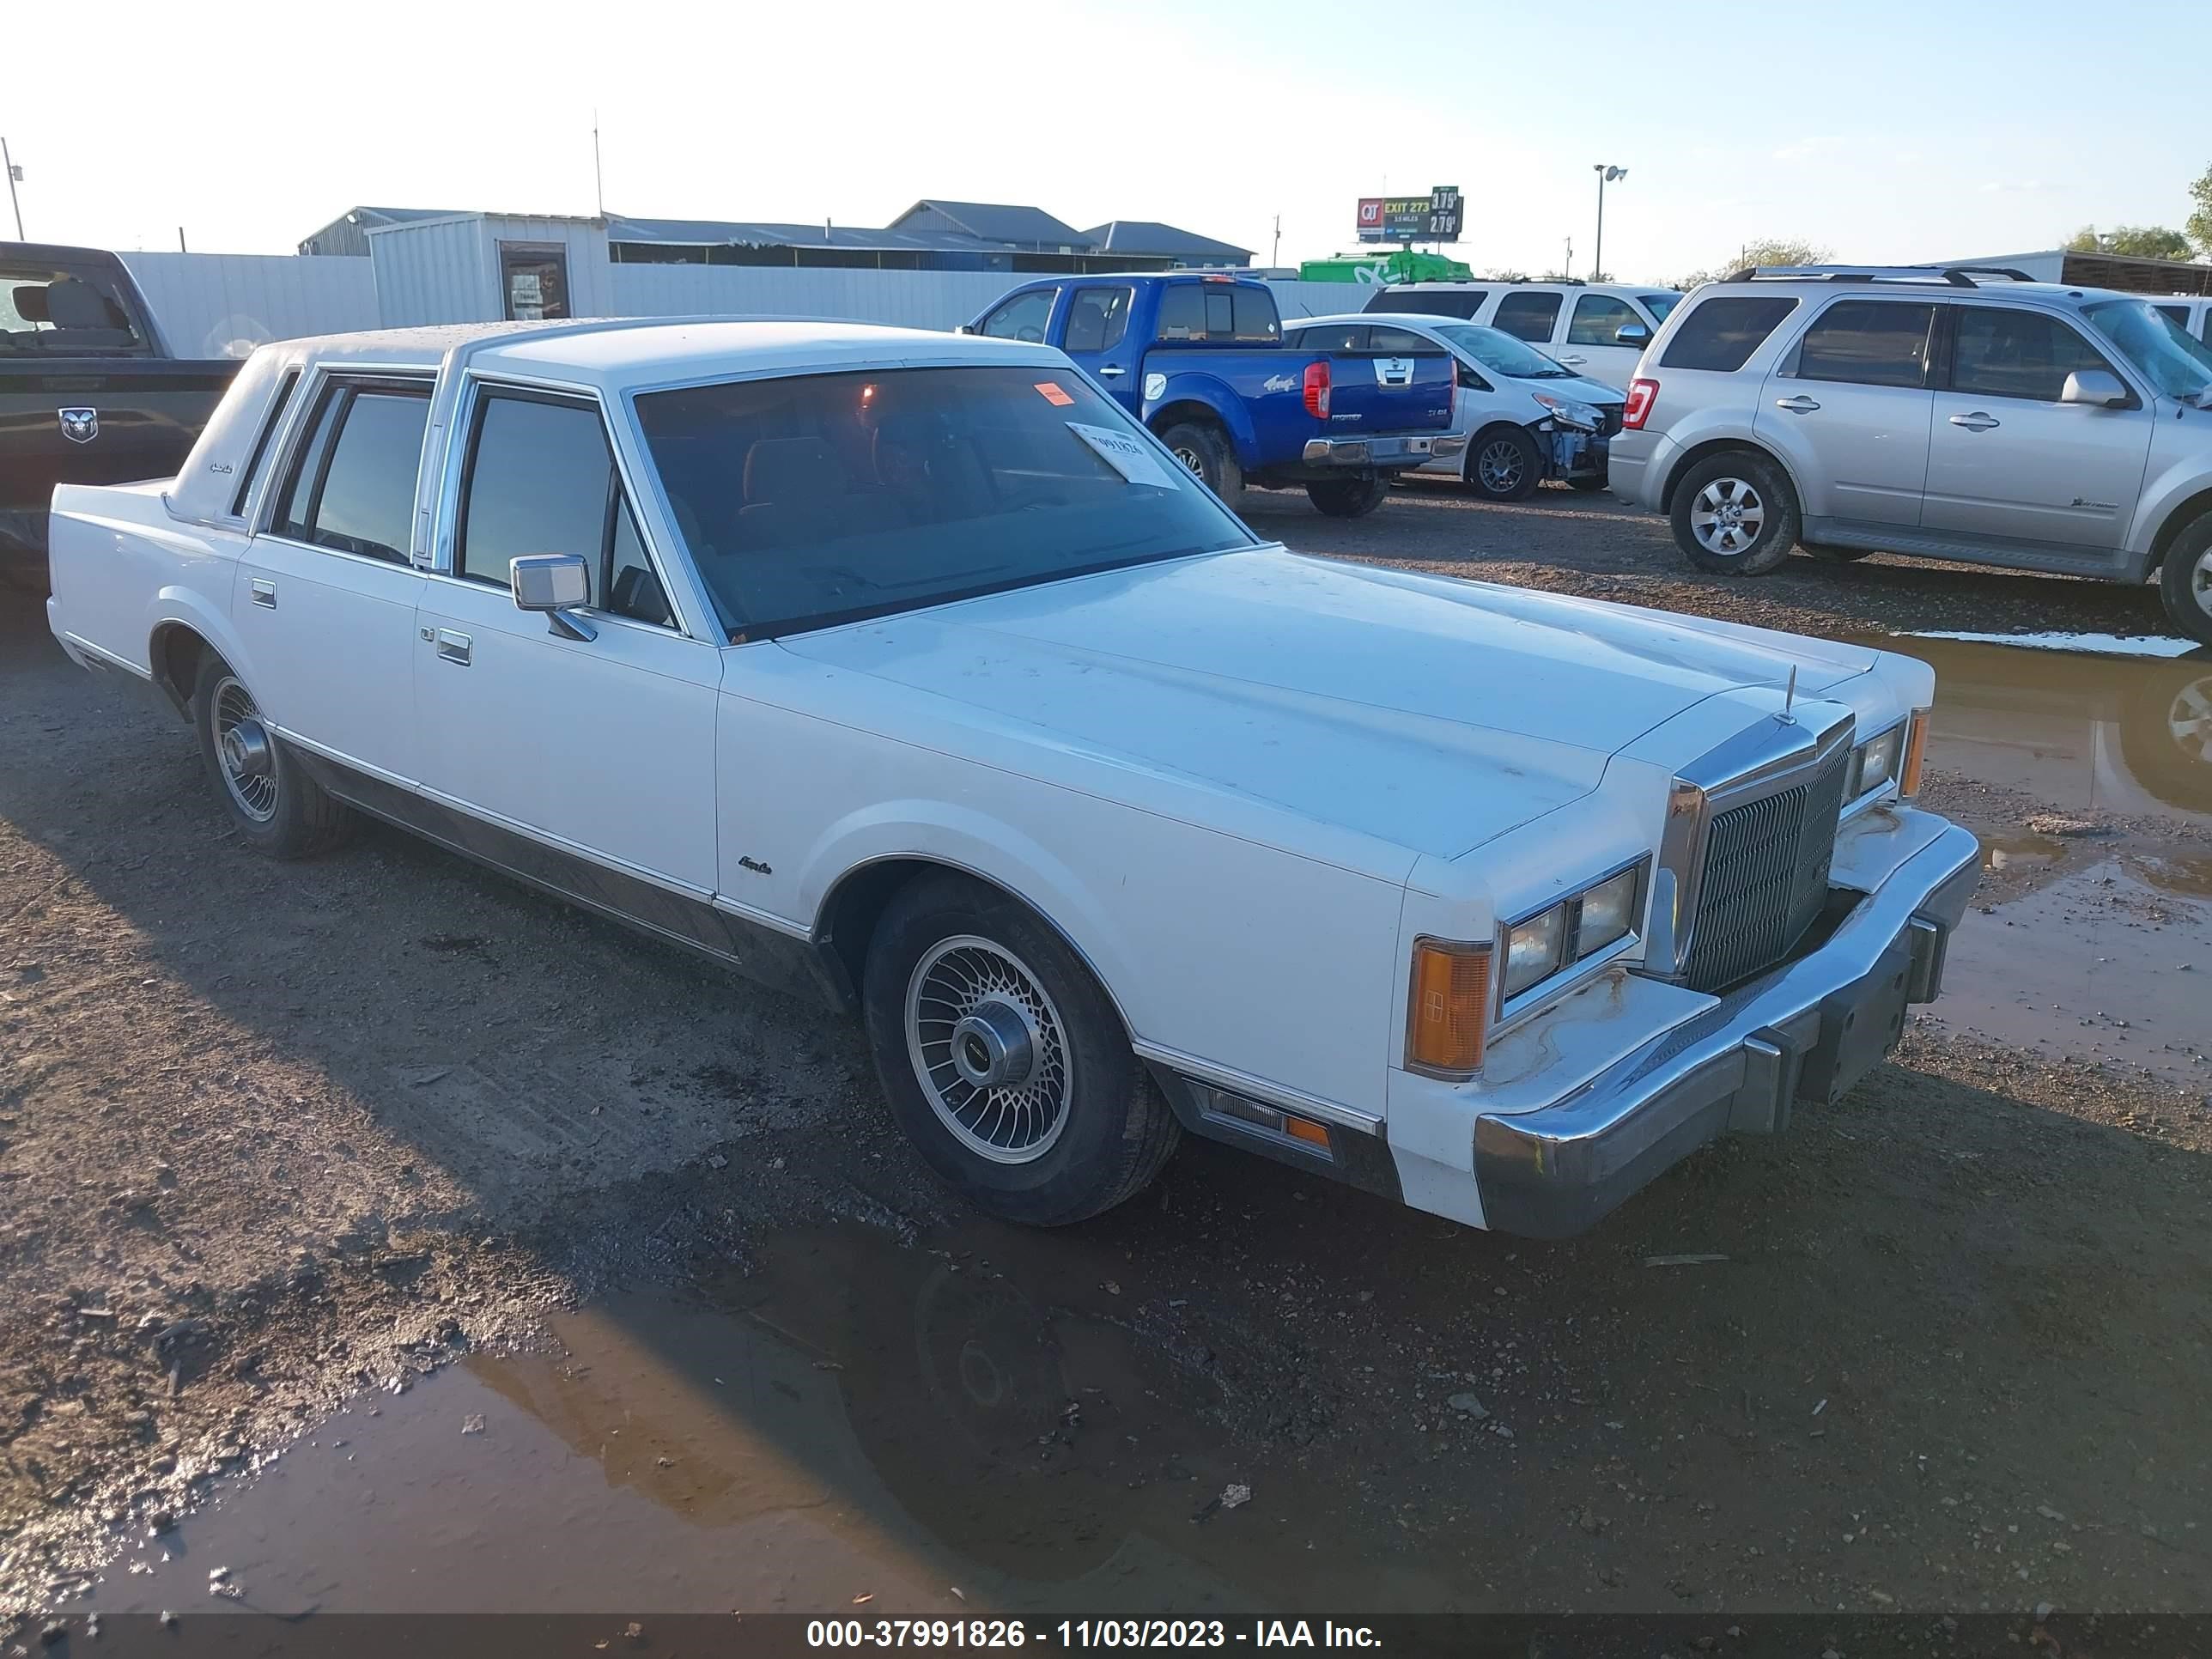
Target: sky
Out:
[1884,131]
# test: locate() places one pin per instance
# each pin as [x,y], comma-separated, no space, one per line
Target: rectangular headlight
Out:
[1608,912]
[1535,949]
[1874,763]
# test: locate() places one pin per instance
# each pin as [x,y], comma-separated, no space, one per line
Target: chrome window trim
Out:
[1763,761]
[1571,974]
[445,530]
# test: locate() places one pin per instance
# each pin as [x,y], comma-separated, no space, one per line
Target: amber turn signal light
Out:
[1916,746]
[1451,1012]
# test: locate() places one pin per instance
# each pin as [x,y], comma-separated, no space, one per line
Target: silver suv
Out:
[1958,413]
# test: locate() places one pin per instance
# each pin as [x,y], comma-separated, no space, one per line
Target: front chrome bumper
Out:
[1382,451]
[1809,1029]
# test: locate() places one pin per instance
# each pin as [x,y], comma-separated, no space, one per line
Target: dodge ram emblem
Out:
[79,426]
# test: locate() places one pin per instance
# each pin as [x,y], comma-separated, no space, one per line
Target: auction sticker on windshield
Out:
[1126,456]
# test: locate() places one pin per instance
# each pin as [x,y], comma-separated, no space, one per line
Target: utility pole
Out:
[599,180]
[1606,175]
[1275,253]
[181,248]
[1569,272]
[14,177]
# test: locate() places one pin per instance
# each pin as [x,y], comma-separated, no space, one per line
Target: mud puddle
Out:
[2080,732]
[853,1422]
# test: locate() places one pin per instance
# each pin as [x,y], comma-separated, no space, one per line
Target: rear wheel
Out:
[276,807]
[1734,514]
[1208,452]
[1349,498]
[2185,581]
[1004,1060]
[1502,464]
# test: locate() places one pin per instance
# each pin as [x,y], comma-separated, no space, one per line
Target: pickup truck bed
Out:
[87,395]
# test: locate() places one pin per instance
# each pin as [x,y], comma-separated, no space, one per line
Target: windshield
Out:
[2178,365]
[1500,353]
[49,313]
[820,499]
[1659,305]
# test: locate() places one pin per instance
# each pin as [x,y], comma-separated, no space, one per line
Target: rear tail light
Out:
[1642,394]
[1317,390]
[1449,1014]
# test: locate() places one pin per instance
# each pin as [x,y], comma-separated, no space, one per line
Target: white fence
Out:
[223,305]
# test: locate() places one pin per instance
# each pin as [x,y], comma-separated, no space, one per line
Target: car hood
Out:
[1428,713]
[1579,388]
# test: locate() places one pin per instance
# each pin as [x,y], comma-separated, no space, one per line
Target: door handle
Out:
[1980,421]
[1800,405]
[265,593]
[1574,362]
[1110,373]
[453,648]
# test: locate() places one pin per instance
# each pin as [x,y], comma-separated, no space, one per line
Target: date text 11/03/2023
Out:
[1082,1633]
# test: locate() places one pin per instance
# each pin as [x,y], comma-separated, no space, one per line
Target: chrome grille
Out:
[1766,876]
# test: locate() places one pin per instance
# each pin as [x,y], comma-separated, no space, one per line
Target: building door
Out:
[533,281]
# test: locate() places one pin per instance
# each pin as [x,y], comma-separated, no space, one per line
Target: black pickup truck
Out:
[88,393]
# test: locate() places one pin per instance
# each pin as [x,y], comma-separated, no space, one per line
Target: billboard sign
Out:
[1437,217]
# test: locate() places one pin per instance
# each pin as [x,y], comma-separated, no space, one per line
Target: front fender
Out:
[965,839]
[1217,398]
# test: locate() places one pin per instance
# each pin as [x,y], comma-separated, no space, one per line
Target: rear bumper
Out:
[1386,451]
[1809,1029]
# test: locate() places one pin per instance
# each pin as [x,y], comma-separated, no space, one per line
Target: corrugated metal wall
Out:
[223,305]
[907,299]
[447,270]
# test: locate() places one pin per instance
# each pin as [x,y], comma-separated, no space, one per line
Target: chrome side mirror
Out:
[2098,386]
[553,583]
[1633,334]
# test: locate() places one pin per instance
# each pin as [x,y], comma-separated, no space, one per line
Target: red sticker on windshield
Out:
[1052,395]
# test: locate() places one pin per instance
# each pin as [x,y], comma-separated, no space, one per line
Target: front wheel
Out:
[276,807]
[1502,464]
[1349,498]
[1734,514]
[2185,581]
[1005,1062]
[1207,453]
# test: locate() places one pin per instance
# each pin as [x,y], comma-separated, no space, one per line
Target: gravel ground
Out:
[272,1137]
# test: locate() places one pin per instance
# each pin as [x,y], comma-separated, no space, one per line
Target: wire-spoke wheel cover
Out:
[1727,516]
[241,749]
[989,1048]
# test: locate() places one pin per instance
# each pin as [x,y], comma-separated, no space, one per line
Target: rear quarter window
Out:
[1721,334]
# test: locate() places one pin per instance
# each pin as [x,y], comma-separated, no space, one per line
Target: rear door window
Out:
[1527,316]
[353,484]
[1399,341]
[1332,337]
[1218,312]
[1721,334]
[1868,342]
[2001,353]
[1097,318]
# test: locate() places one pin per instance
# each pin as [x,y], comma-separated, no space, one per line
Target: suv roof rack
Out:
[1954,276]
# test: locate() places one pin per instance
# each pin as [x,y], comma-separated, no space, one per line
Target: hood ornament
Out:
[1789,701]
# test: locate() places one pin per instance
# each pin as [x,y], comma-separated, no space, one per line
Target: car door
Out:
[598,749]
[1098,340]
[1529,313]
[1592,346]
[1848,408]
[325,594]
[2007,460]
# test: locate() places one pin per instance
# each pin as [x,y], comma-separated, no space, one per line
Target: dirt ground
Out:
[275,1139]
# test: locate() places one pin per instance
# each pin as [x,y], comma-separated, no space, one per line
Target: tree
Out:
[1771,251]
[2200,222]
[1503,274]
[2135,241]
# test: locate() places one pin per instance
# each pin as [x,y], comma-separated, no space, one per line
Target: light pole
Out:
[1606,175]
[8,165]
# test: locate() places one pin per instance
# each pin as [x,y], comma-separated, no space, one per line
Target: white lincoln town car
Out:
[906,671]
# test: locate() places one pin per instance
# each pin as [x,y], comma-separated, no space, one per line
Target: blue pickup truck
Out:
[1200,360]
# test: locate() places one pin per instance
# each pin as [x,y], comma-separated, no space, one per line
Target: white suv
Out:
[1959,413]
[1597,329]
